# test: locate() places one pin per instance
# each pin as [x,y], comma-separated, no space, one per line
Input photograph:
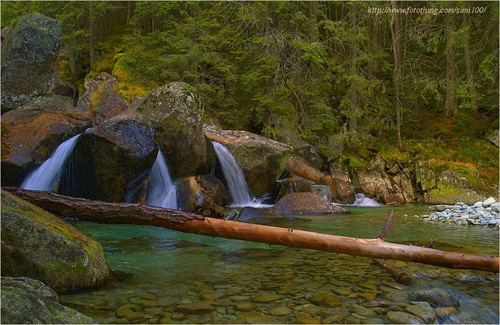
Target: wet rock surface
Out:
[31,133]
[107,158]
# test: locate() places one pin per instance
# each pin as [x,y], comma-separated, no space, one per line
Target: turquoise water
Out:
[173,277]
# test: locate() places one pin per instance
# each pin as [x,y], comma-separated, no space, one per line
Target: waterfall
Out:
[363,201]
[161,191]
[238,188]
[44,177]
[323,191]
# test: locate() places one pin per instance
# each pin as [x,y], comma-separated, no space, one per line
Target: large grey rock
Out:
[176,114]
[28,301]
[41,246]
[261,159]
[29,59]
[109,157]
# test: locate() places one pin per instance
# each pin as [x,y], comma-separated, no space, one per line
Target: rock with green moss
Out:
[39,245]
[101,99]
[175,112]
[444,182]
[28,301]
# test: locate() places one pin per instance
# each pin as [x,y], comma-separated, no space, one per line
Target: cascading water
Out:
[162,191]
[238,188]
[323,191]
[44,177]
[363,201]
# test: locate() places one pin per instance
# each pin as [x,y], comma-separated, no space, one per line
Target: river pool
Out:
[164,276]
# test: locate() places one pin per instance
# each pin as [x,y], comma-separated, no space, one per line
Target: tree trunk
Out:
[451,104]
[398,69]
[130,213]
[91,36]
[470,87]
[354,95]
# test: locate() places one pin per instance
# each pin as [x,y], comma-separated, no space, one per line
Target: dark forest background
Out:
[336,74]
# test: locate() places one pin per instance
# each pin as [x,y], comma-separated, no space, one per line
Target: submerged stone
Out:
[437,297]
[265,297]
[400,317]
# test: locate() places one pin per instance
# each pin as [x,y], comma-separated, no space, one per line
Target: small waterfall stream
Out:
[162,191]
[363,201]
[45,177]
[238,188]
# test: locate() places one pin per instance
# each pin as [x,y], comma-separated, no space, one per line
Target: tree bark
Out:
[397,74]
[451,104]
[131,213]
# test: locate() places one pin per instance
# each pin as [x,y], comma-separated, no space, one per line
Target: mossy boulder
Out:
[108,158]
[444,182]
[29,59]
[39,245]
[175,112]
[29,301]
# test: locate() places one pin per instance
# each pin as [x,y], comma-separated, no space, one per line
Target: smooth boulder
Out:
[39,245]
[203,194]
[305,203]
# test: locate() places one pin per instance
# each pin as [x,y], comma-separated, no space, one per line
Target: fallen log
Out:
[130,213]
[399,275]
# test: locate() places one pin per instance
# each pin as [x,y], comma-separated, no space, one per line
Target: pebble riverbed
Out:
[315,289]
[183,278]
[482,213]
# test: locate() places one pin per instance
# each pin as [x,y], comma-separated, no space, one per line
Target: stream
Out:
[165,276]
